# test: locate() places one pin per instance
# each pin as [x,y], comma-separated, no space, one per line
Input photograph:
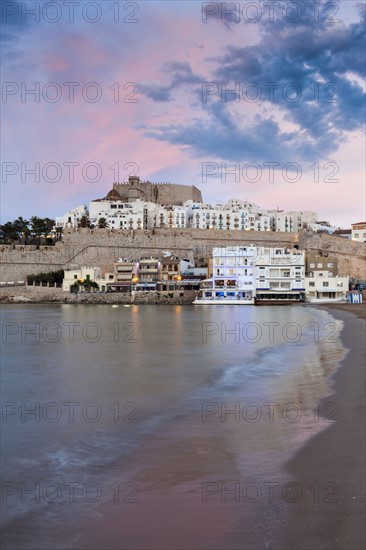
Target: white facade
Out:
[226,217]
[233,279]
[234,215]
[167,216]
[280,271]
[92,273]
[359,232]
[322,286]
[72,218]
[119,214]
[292,222]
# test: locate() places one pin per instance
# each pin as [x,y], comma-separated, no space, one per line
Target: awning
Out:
[330,290]
[120,283]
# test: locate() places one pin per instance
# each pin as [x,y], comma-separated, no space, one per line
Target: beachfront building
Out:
[149,274]
[279,275]
[323,286]
[232,278]
[319,260]
[359,232]
[81,277]
[125,275]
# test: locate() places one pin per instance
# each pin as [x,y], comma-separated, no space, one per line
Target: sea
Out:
[159,427]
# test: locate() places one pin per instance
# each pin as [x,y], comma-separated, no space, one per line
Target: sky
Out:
[261,100]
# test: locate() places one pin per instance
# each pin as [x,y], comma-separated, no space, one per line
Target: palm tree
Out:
[102,223]
[84,221]
[8,232]
[59,231]
[21,226]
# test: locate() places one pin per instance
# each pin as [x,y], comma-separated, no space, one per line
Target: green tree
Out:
[8,232]
[84,221]
[49,224]
[102,223]
[22,228]
[59,230]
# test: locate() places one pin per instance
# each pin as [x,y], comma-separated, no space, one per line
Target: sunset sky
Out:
[157,105]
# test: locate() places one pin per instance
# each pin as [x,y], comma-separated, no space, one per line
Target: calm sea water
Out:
[153,427]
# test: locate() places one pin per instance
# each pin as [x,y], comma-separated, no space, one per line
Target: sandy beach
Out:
[332,464]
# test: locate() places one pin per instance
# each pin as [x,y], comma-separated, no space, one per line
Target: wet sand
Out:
[332,463]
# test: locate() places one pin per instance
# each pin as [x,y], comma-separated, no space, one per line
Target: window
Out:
[320,264]
[113,206]
[330,264]
[312,265]
[325,283]
[357,235]
[311,283]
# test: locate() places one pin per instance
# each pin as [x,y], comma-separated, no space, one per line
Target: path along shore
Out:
[334,460]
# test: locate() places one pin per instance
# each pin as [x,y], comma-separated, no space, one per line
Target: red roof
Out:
[358,223]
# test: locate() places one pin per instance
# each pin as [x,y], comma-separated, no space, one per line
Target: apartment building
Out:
[231,276]
[280,275]
[316,260]
[323,286]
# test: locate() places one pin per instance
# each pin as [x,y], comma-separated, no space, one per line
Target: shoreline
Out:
[332,463]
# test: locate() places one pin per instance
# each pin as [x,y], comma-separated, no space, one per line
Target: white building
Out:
[84,273]
[167,216]
[292,221]
[233,279]
[72,218]
[234,215]
[280,274]
[322,286]
[119,214]
[226,217]
[359,232]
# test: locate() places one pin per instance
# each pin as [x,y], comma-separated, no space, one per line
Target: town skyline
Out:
[261,93]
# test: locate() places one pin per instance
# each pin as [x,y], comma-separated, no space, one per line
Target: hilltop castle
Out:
[159,193]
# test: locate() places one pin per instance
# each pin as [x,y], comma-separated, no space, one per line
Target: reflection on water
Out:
[147,404]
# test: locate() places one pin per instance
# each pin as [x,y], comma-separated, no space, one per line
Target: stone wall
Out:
[351,255]
[102,247]
[30,294]
[160,193]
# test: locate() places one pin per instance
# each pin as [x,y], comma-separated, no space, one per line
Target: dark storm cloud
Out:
[180,74]
[318,59]
[12,21]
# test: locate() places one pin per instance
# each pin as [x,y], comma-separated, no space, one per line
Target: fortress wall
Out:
[351,254]
[102,248]
[160,193]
